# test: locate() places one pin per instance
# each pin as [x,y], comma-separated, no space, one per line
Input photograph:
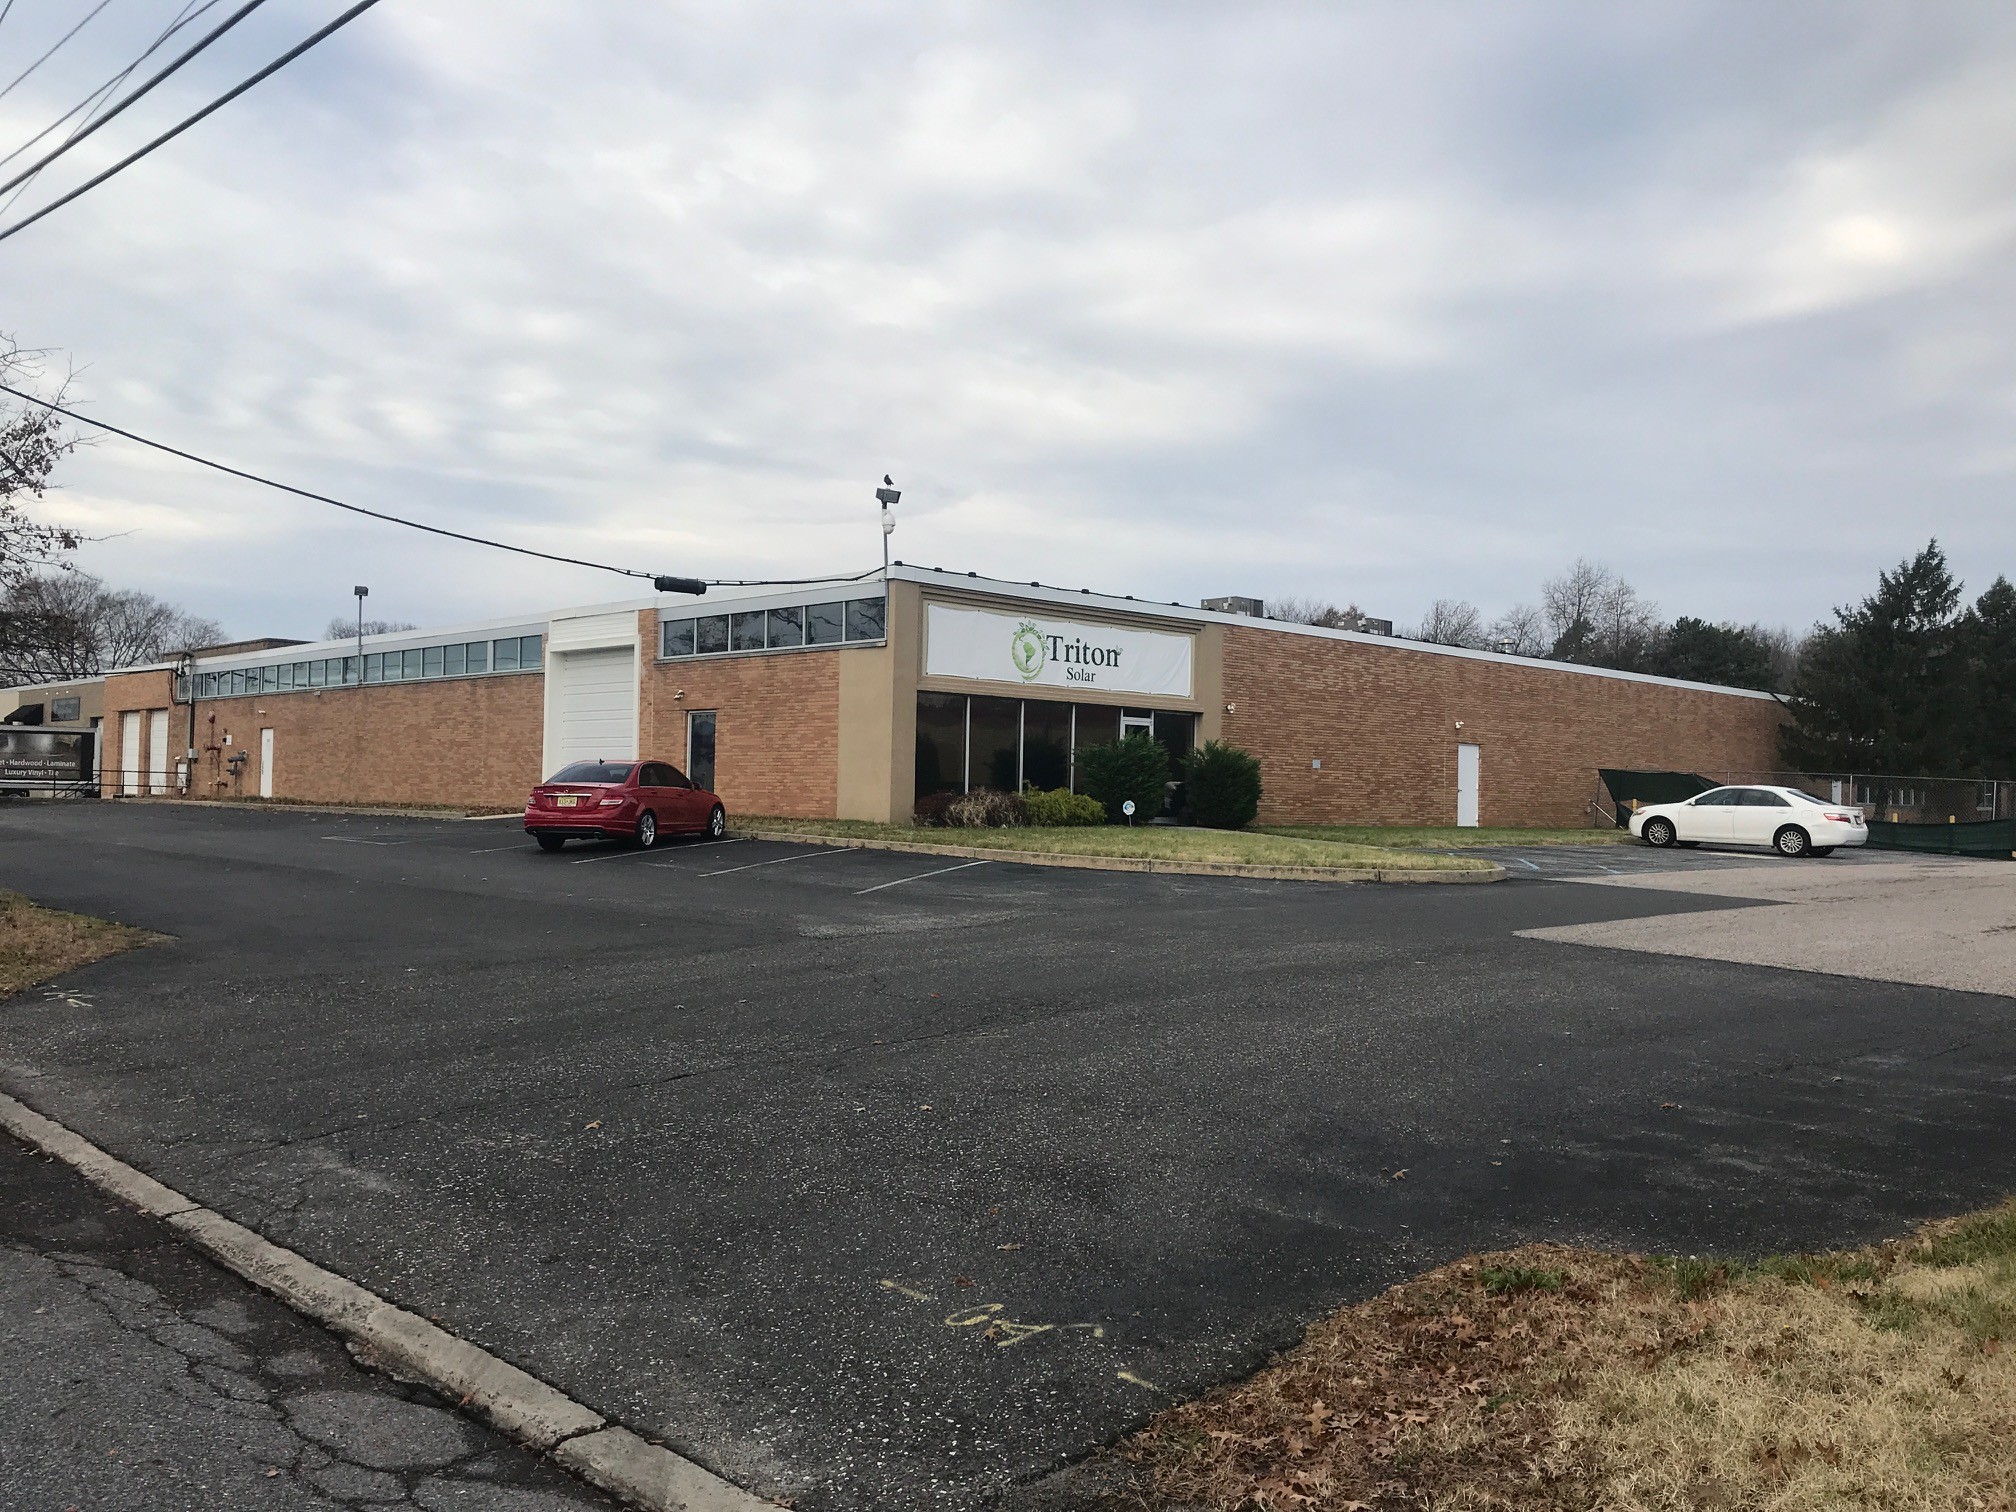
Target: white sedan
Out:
[1789,821]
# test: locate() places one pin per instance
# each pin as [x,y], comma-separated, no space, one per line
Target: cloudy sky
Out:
[1379,302]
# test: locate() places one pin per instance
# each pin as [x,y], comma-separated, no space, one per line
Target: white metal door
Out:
[129,754]
[1469,776]
[595,699]
[157,751]
[265,763]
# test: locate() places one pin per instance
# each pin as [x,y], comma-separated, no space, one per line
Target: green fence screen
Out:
[1989,837]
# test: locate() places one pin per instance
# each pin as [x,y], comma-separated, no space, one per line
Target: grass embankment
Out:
[1549,1378]
[1155,842]
[1444,837]
[38,943]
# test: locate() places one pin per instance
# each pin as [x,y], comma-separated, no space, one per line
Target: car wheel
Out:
[1821,850]
[1659,833]
[550,842]
[1792,841]
[647,830]
[717,823]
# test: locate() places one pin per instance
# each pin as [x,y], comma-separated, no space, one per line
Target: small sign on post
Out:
[1127,808]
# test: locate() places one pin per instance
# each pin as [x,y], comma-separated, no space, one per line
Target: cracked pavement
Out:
[135,1374]
[907,1198]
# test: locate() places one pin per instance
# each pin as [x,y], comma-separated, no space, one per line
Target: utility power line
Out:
[53,50]
[135,95]
[174,131]
[658,579]
[87,105]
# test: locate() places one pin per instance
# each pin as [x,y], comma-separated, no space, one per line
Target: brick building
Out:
[854,699]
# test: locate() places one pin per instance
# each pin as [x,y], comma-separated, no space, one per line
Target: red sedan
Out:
[629,800]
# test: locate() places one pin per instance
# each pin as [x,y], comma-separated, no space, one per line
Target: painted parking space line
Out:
[672,859]
[354,840]
[491,850]
[922,875]
[779,861]
[613,855]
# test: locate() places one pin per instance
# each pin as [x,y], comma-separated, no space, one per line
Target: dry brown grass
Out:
[1548,1378]
[38,943]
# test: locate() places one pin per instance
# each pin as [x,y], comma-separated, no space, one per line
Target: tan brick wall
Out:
[1382,720]
[458,742]
[777,734]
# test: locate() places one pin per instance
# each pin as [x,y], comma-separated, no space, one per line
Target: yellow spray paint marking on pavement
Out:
[1005,1331]
[1133,1380]
[910,1292]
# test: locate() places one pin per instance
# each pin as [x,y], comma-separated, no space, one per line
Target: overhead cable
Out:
[174,131]
[52,51]
[135,95]
[391,519]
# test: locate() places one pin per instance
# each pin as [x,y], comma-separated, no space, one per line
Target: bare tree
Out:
[341,628]
[1519,631]
[1597,618]
[1451,622]
[1320,612]
[32,441]
[70,625]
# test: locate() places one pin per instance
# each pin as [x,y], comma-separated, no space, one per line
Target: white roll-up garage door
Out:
[594,700]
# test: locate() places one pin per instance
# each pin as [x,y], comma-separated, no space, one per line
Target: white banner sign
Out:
[1042,652]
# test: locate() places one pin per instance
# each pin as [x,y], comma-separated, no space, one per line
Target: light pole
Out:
[362,594]
[888,496]
[185,670]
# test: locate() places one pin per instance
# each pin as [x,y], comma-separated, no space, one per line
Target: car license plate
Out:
[566,800]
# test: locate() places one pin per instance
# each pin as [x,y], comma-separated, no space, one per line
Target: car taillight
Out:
[611,802]
[1844,818]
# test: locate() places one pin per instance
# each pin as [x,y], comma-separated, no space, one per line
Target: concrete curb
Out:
[248,806]
[1493,873]
[404,1344]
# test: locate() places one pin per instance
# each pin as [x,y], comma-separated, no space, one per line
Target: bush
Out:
[1062,806]
[1135,768]
[1221,785]
[983,808]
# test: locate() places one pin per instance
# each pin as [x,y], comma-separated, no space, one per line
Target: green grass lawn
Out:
[1413,836]
[1159,842]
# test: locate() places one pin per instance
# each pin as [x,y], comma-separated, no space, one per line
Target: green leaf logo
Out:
[1028,650]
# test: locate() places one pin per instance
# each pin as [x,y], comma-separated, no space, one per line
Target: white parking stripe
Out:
[703,845]
[615,855]
[354,840]
[776,861]
[490,850]
[921,876]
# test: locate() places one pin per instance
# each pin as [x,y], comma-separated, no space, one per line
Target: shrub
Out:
[1135,768]
[1221,785]
[983,808]
[1062,806]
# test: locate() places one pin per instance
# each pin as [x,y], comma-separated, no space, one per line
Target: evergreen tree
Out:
[1882,689]
[1991,657]
[1726,654]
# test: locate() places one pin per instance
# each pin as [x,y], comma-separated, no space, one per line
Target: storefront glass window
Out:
[823,624]
[993,752]
[864,619]
[941,743]
[1098,724]
[1046,744]
[787,627]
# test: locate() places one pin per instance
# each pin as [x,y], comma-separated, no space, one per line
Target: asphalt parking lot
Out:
[875,1180]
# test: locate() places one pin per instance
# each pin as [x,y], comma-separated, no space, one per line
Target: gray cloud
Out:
[1377,302]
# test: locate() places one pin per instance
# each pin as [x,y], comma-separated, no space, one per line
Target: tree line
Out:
[1592,617]
[1912,681]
